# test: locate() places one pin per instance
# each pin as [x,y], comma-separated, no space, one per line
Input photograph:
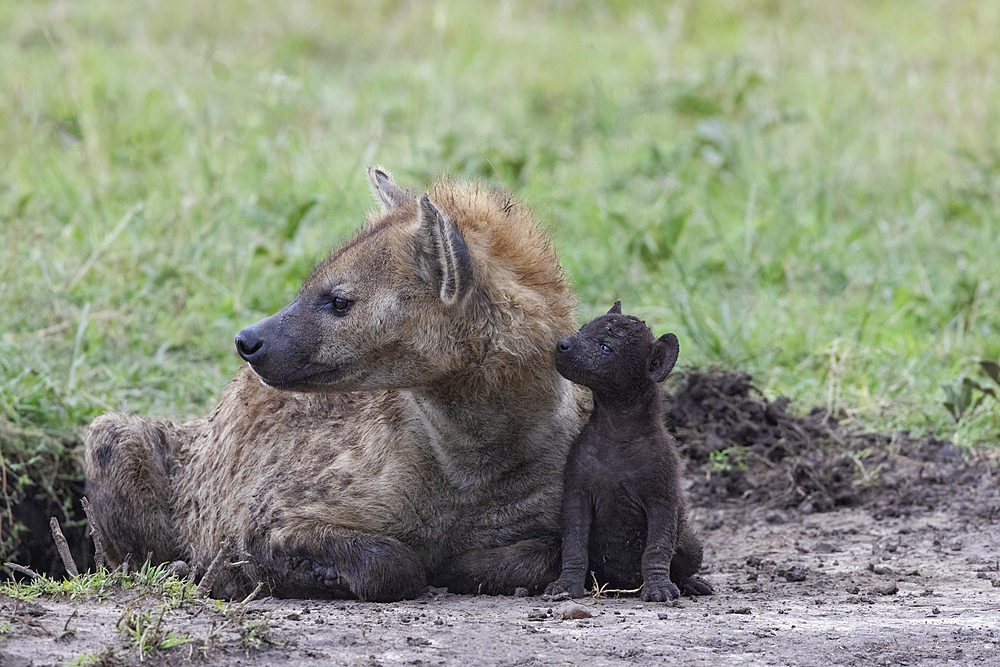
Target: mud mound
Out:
[742,446]
[40,478]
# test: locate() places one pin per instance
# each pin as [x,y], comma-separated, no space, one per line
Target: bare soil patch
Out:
[826,545]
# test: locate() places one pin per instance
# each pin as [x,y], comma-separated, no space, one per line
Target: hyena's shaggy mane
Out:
[522,303]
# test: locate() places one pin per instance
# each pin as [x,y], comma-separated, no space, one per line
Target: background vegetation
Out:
[805,190]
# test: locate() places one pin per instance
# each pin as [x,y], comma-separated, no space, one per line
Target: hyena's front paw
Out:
[373,568]
[659,592]
[371,587]
[565,586]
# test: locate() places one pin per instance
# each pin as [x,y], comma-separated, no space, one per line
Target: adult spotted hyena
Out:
[400,423]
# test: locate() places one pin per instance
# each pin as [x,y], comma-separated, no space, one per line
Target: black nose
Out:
[563,345]
[249,345]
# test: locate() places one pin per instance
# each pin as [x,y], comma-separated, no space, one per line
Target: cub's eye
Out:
[605,349]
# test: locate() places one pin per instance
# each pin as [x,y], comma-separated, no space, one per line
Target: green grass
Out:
[803,190]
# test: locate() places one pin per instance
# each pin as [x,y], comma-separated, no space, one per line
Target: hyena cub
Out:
[623,512]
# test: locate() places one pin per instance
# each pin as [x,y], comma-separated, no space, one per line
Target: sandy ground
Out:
[843,587]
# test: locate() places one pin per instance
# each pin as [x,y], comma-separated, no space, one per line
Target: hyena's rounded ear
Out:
[388,194]
[442,255]
[662,357]
[616,309]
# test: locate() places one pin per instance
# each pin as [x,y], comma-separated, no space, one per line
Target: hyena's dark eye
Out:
[338,304]
[605,349]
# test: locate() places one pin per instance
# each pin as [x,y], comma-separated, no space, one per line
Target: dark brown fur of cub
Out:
[623,511]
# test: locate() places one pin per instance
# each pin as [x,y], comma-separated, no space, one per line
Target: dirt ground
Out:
[825,545]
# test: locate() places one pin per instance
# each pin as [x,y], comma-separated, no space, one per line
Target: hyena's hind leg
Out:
[129,463]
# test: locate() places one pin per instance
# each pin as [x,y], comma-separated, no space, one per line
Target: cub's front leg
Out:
[577,515]
[662,523]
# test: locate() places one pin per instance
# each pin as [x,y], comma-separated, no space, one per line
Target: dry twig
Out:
[100,558]
[247,599]
[212,573]
[600,590]
[27,571]
[63,546]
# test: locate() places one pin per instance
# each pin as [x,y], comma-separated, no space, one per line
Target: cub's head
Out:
[382,311]
[616,355]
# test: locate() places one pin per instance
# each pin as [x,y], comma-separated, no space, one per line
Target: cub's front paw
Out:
[694,586]
[565,586]
[659,592]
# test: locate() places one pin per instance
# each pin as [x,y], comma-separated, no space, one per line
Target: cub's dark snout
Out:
[565,356]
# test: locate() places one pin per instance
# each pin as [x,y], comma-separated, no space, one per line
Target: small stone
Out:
[558,597]
[890,589]
[571,611]
[776,518]
[179,569]
[539,614]
[520,592]
[417,641]
[794,573]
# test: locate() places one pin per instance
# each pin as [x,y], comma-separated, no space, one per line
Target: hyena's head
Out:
[616,356]
[382,311]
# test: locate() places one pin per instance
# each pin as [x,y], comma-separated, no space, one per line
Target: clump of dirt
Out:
[740,445]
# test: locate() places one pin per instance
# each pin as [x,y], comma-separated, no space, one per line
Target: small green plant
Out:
[865,475]
[254,634]
[143,628]
[719,461]
[964,396]
[86,660]
[725,461]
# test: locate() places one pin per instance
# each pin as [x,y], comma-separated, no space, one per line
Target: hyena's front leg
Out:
[529,563]
[129,462]
[340,564]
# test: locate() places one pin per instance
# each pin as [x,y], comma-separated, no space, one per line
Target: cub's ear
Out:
[388,194]
[442,255]
[616,309]
[662,357]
